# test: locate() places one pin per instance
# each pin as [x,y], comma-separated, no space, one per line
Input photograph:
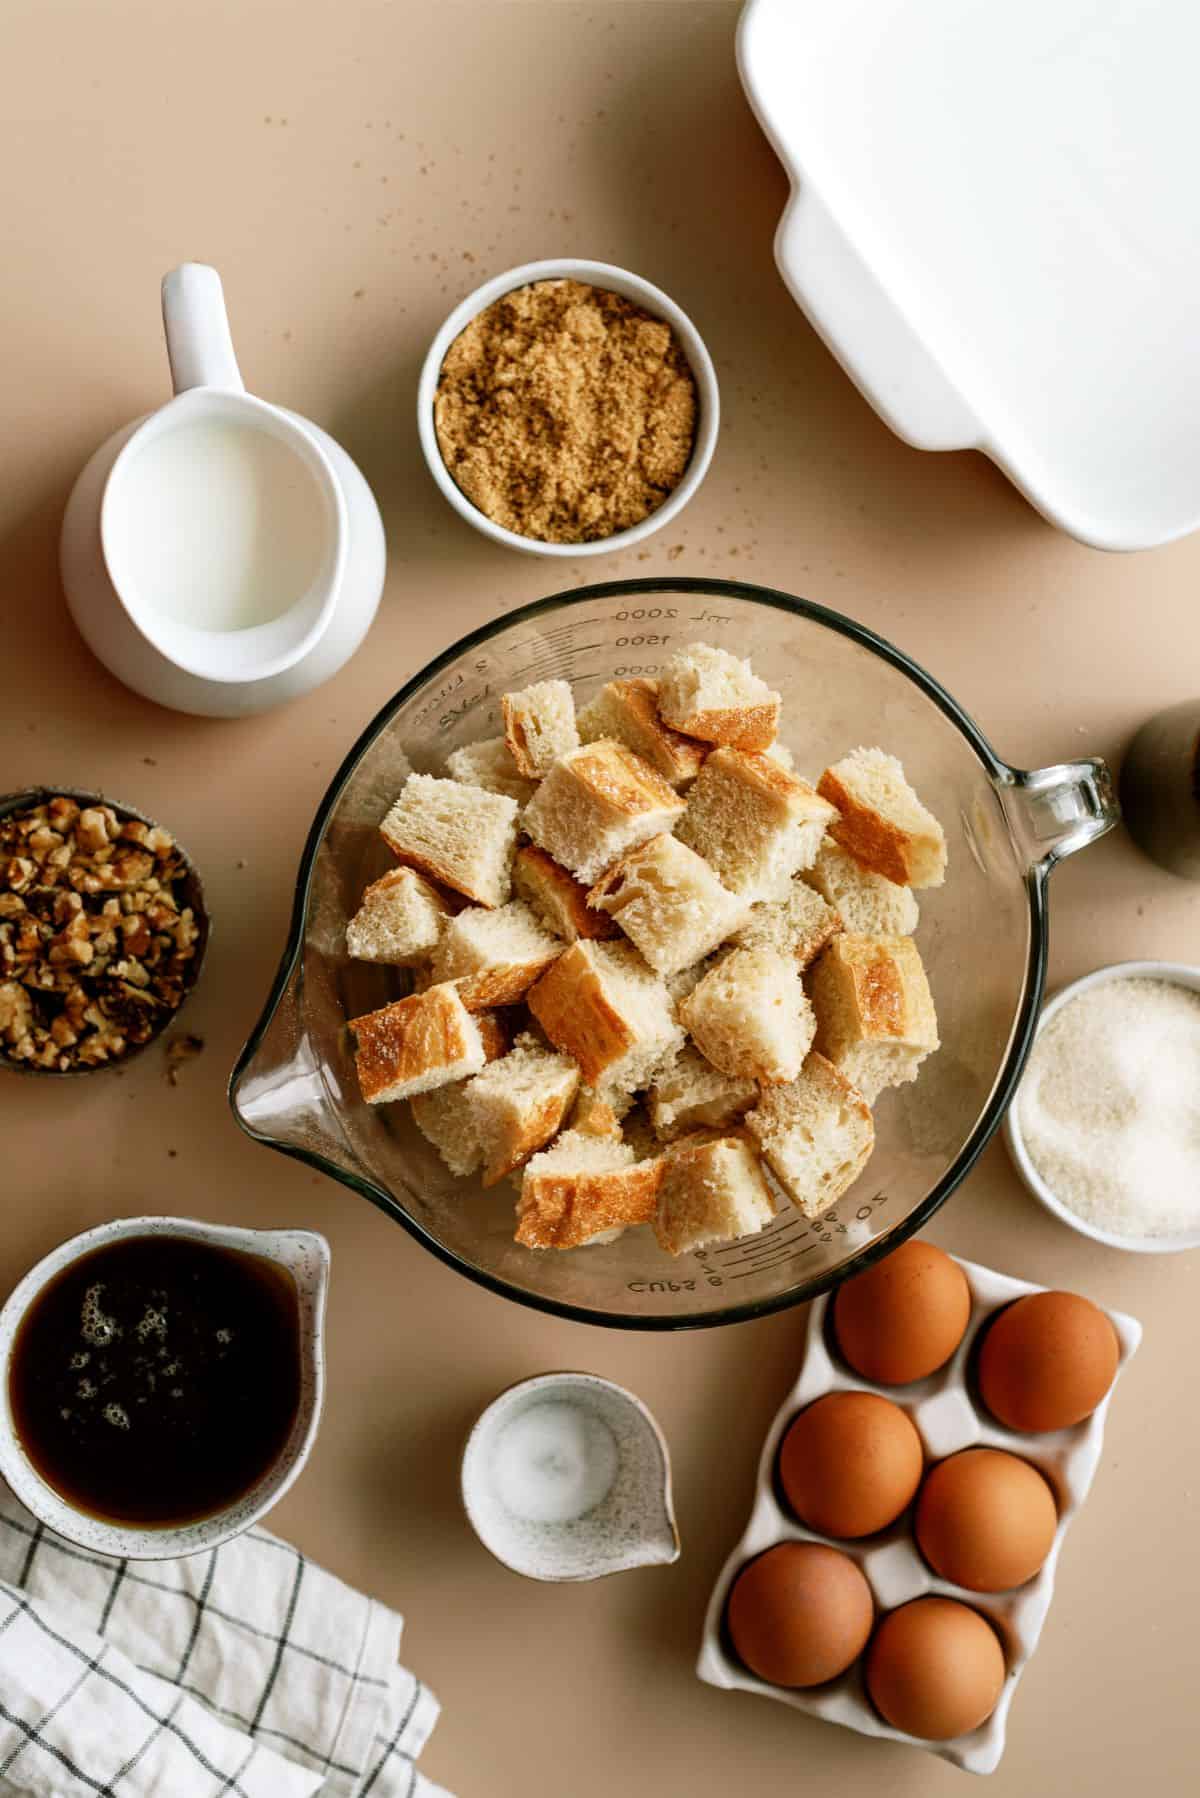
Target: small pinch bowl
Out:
[631,287]
[192,894]
[305,1257]
[632,1526]
[1181,974]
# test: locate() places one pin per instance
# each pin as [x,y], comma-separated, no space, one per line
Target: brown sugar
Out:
[566,413]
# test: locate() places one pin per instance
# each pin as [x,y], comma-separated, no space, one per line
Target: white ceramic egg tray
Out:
[948,1419]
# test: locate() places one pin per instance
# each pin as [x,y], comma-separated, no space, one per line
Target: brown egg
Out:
[799,1614]
[1047,1361]
[935,1669]
[850,1463]
[985,1520]
[904,1318]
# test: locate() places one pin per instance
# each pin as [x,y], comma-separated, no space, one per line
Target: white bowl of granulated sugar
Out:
[1105,1125]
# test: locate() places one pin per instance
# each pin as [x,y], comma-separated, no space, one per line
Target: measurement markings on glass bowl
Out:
[454,685]
[552,634]
[453,713]
[554,663]
[463,698]
[787,1218]
[561,635]
[700,1256]
[547,668]
[783,1261]
[774,1237]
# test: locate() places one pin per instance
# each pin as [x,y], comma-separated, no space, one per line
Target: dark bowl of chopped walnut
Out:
[103,930]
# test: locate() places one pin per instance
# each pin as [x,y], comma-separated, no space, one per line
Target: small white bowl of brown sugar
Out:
[1105,1125]
[568,408]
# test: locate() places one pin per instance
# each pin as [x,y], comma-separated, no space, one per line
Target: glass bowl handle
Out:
[1053,812]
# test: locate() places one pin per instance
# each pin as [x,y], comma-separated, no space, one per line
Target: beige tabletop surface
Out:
[353,167]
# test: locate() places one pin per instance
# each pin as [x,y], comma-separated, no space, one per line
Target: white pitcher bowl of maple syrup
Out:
[292,1268]
[221,554]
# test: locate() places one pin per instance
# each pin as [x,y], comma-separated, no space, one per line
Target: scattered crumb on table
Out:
[178,1050]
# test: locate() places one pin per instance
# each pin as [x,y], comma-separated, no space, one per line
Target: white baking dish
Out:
[992,226]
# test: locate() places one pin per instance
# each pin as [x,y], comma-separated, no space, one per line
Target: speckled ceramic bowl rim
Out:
[34,796]
[631,287]
[305,1255]
[504,1401]
[1182,974]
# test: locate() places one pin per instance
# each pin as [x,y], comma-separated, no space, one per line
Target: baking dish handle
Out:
[1053,812]
[871,339]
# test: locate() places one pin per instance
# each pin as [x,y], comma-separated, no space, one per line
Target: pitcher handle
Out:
[1056,811]
[199,346]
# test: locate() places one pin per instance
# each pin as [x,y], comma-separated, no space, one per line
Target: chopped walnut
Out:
[95,945]
[92,828]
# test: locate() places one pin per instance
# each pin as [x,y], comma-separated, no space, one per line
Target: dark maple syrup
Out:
[155,1380]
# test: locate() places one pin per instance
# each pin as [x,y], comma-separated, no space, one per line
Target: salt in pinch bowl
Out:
[567,1476]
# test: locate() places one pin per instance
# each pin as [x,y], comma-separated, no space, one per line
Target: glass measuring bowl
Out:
[982,936]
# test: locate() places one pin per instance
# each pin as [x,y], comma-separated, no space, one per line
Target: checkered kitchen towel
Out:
[247,1672]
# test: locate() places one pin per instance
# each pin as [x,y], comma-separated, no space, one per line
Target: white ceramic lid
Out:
[992,227]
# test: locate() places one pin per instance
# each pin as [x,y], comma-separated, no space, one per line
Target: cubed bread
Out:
[882,822]
[444,1119]
[459,835]
[686,980]
[627,711]
[750,1017]
[779,752]
[668,902]
[875,1013]
[799,925]
[557,897]
[595,803]
[711,1192]
[494,957]
[494,1033]
[637,1131]
[489,765]
[708,693]
[756,823]
[584,1189]
[816,1135]
[517,1104]
[693,1095]
[867,903]
[415,1044]
[399,920]
[601,1004]
[539,726]
[593,1115]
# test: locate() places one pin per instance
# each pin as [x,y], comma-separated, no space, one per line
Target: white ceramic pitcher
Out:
[108,534]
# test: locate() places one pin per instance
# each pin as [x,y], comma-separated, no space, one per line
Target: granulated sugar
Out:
[1110,1107]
